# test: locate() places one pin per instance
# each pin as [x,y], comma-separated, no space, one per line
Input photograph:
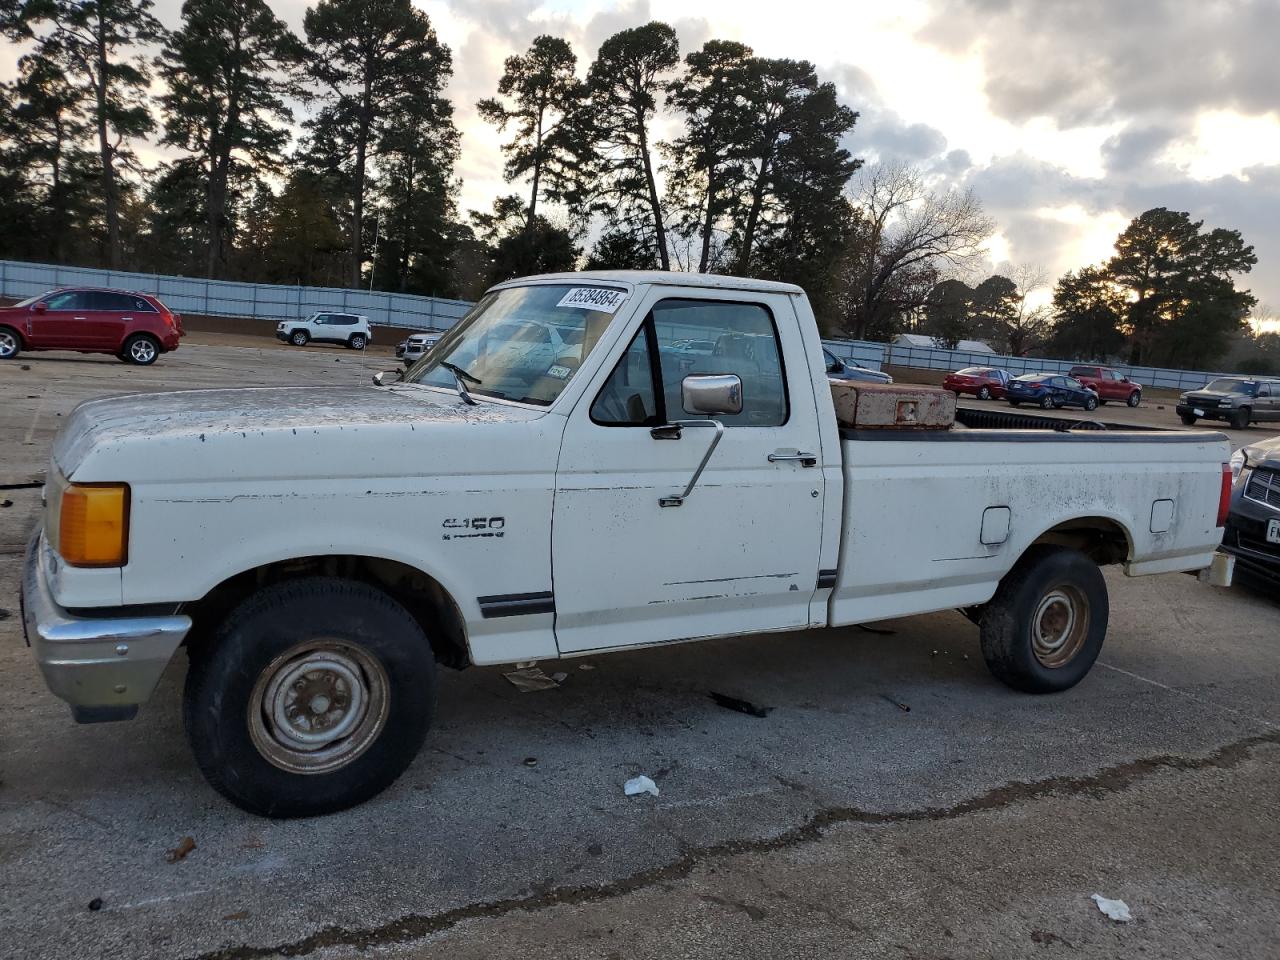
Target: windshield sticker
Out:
[559,371]
[593,298]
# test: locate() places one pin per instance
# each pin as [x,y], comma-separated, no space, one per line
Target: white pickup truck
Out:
[558,478]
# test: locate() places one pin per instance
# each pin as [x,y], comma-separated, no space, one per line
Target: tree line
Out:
[330,158]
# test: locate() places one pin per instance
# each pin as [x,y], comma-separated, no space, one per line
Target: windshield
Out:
[30,300]
[521,343]
[1233,386]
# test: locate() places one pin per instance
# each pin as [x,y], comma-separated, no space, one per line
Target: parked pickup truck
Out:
[549,482]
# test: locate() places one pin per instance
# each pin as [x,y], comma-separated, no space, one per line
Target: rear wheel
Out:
[299,338]
[10,344]
[1240,418]
[1187,419]
[1134,398]
[313,696]
[1046,402]
[984,393]
[140,349]
[357,341]
[1015,403]
[1044,628]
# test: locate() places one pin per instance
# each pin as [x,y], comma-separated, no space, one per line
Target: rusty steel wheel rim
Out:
[1060,625]
[318,706]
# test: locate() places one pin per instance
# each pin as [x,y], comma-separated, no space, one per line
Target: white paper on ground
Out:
[640,784]
[1117,910]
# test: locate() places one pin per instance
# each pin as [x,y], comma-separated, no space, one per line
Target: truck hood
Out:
[1213,396]
[150,422]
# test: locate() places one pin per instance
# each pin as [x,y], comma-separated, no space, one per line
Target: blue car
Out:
[1050,391]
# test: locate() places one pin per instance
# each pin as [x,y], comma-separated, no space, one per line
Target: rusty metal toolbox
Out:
[883,406]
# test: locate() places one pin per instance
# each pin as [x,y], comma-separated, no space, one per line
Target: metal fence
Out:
[937,358]
[226,298]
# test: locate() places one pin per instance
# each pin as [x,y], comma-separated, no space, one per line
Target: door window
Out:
[106,301]
[68,300]
[744,342]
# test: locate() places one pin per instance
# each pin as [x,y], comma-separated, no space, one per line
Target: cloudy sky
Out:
[1066,117]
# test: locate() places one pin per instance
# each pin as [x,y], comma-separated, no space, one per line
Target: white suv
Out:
[349,329]
[412,349]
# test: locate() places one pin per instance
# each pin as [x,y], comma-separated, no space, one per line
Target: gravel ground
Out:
[976,823]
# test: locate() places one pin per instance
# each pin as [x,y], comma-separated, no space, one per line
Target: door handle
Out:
[805,459]
[79,318]
[693,481]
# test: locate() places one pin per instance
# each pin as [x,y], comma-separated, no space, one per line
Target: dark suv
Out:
[1238,400]
[136,327]
[1252,532]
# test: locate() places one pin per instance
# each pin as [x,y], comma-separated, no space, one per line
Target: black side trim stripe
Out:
[826,579]
[516,604]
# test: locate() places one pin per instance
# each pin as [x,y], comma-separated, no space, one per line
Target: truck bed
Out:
[934,518]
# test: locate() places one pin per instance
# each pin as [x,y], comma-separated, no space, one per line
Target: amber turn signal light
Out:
[93,528]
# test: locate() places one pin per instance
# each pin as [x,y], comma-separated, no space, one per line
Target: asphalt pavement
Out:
[895,801]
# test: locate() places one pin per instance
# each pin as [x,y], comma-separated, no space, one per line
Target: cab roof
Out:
[671,278]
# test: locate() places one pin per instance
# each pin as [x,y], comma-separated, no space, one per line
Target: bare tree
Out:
[1029,326]
[905,231]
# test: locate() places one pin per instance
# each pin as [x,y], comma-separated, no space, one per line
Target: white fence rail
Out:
[226,298]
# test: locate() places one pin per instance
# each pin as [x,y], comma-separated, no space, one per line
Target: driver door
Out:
[739,553]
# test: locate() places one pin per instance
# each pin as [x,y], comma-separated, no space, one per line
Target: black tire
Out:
[266,638]
[141,350]
[1015,403]
[10,343]
[984,392]
[1102,402]
[299,338]
[1240,418]
[1134,398]
[1090,403]
[1041,574]
[357,341]
[1046,402]
[1187,419]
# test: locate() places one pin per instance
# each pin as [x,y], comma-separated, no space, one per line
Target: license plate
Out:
[1198,412]
[1273,531]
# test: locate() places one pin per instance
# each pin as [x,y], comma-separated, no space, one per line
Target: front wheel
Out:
[299,338]
[1187,419]
[1044,628]
[313,696]
[1134,398]
[984,393]
[1240,419]
[141,350]
[1090,403]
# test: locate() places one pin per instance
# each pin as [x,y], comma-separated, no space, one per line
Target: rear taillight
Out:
[1224,497]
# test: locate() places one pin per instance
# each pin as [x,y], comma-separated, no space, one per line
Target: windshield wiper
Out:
[459,378]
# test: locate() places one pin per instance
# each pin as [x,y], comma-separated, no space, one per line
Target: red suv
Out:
[1108,384]
[136,327]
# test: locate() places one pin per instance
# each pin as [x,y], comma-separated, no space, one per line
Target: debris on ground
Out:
[560,677]
[529,679]
[6,503]
[586,666]
[897,703]
[184,847]
[95,904]
[1116,910]
[742,706]
[638,785]
[238,915]
[530,761]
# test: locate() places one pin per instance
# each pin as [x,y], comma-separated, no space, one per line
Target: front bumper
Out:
[1204,413]
[102,666]
[1245,536]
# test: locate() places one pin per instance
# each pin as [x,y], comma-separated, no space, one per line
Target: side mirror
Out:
[711,393]
[835,366]
[40,307]
[384,378]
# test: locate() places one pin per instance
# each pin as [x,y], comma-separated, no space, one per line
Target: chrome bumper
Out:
[103,667]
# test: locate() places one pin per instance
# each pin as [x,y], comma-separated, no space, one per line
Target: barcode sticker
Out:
[600,299]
